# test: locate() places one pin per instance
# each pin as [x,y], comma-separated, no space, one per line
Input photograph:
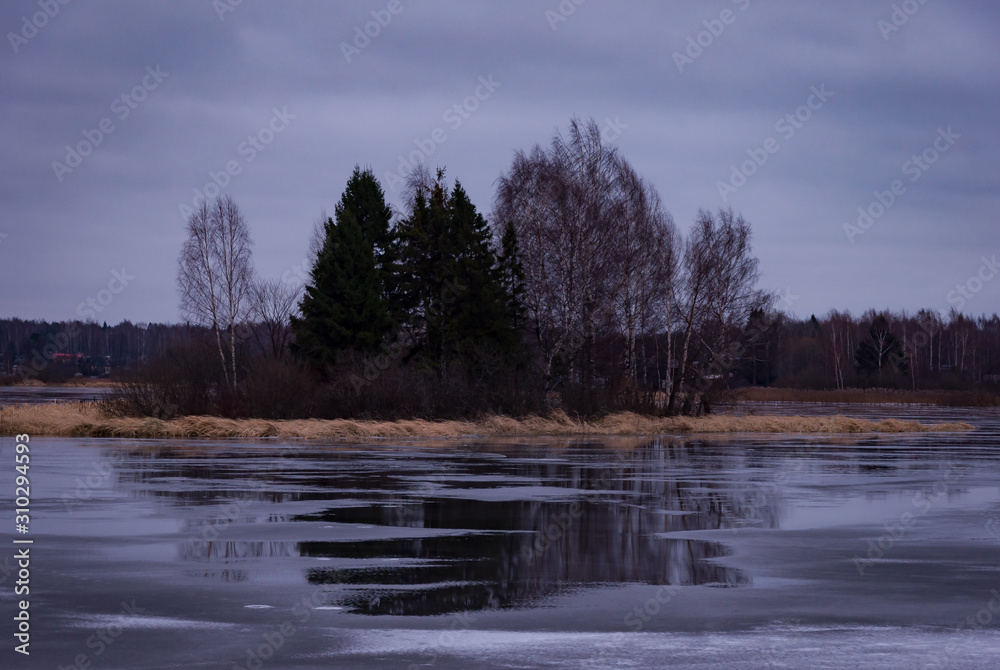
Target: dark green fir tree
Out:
[449,278]
[345,306]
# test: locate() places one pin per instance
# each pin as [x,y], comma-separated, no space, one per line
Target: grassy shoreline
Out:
[944,398]
[873,396]
[870,396]
[72,382]
[85,419]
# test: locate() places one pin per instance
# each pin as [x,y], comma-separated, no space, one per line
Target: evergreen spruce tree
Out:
[345,307]
[450,279]
[365,200]
[480,316]
[511,274]
[421,275]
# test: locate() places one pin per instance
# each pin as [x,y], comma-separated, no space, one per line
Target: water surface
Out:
[708,552]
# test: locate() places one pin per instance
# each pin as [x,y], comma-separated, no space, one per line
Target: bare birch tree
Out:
[642,248]
[589,230]
[715,296]
[197,276]
[602,259]
[215,274]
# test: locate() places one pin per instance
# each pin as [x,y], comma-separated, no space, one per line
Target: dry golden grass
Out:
[72,382]
[86,420]
[871,396]
[28,382]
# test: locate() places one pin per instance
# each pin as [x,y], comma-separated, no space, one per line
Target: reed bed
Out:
[85,419]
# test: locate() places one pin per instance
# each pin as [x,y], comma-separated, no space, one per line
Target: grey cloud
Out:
[606,60]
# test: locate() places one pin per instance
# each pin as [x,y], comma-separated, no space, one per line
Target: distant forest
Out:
[836,351]
[578,293]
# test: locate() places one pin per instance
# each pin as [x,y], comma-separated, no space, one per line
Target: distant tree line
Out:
[925,350]
[578,293]
[28,348]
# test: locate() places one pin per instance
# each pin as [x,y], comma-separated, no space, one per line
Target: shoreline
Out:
[85,419]
[852,396]
[70,383]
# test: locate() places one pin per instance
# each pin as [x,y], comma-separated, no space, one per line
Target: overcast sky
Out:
[115,113]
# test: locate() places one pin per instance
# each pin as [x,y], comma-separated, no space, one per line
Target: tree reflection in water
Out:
[608,530]
[512,523]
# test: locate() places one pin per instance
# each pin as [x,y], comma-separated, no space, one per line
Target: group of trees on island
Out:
[579,292]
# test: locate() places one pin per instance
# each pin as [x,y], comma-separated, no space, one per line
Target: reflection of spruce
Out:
[608,529]
[609,535]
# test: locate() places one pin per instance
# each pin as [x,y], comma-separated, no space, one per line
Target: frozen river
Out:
[741,551]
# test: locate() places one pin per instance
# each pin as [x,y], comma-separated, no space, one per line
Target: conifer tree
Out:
[422,273]
[511,274]
[365,199]
[450,278]
[480,313]
[345,306]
